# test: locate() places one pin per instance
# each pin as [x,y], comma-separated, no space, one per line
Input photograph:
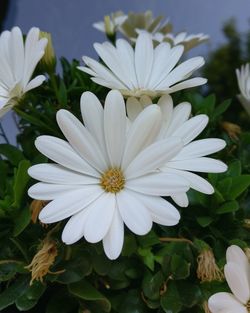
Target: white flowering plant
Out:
[126,187]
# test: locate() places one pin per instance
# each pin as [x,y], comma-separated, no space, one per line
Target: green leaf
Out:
[147,256]
[230,206]
[85,291]
[239,185]
[221,108]
[180,268]
[13,154]
[190,293]
[75,269]
[9,268]
[15,290]
[21,221]
[170,301]
[20,182]
[30,297]
[152,284]
[204,221]
[234,169]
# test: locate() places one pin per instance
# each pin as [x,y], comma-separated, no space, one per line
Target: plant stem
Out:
[170,239]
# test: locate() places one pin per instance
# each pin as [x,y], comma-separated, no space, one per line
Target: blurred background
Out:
[70,23]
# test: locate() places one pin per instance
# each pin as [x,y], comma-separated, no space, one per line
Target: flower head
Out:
[107,174]
[193,156]
[17,64]
[243,77]
[145,21]
[237,273]
[145,70]
[111,23]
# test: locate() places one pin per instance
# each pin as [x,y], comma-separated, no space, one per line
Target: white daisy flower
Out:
[107,174]
[192,157]
[111,23]
[188,41]
[17,64]
[243,77]
[145,70]
[237,273]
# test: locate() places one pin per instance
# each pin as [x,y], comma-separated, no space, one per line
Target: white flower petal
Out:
[134,108]
[158,184]
[74,229]
[142,133]
[81,139]
[238,281]
[99,217]
[236,255]
[57,174]
[162,211]
[196,182]
[225,301]
[61,152]
[181,72]
[43,191]
[189,83]
[144,56]
[69,204]
[200,148]
[181,199]
[115,126]
[113,241]
[137,220]
[37,81]
[92,114]
[164,61]
[203,164]
[153,157]
[126,53]
[191,128]
[179,116]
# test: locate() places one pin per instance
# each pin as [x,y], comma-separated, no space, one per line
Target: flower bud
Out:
[48,61]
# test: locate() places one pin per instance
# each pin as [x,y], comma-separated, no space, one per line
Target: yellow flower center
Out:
[112,180]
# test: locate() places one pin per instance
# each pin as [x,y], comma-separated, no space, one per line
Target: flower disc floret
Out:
[113,180]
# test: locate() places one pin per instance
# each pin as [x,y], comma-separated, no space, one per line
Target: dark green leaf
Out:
[21,221]
[227,207]
[20,182]
[15,290]
[84,290]
[171,301]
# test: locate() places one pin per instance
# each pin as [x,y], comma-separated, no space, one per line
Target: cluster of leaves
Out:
[156,272]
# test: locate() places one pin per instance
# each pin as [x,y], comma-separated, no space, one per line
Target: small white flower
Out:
[144,70]
[243,77]
[237,273]
[111,23]
[192,156]
[188,41]
[17,64]
[107,173]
